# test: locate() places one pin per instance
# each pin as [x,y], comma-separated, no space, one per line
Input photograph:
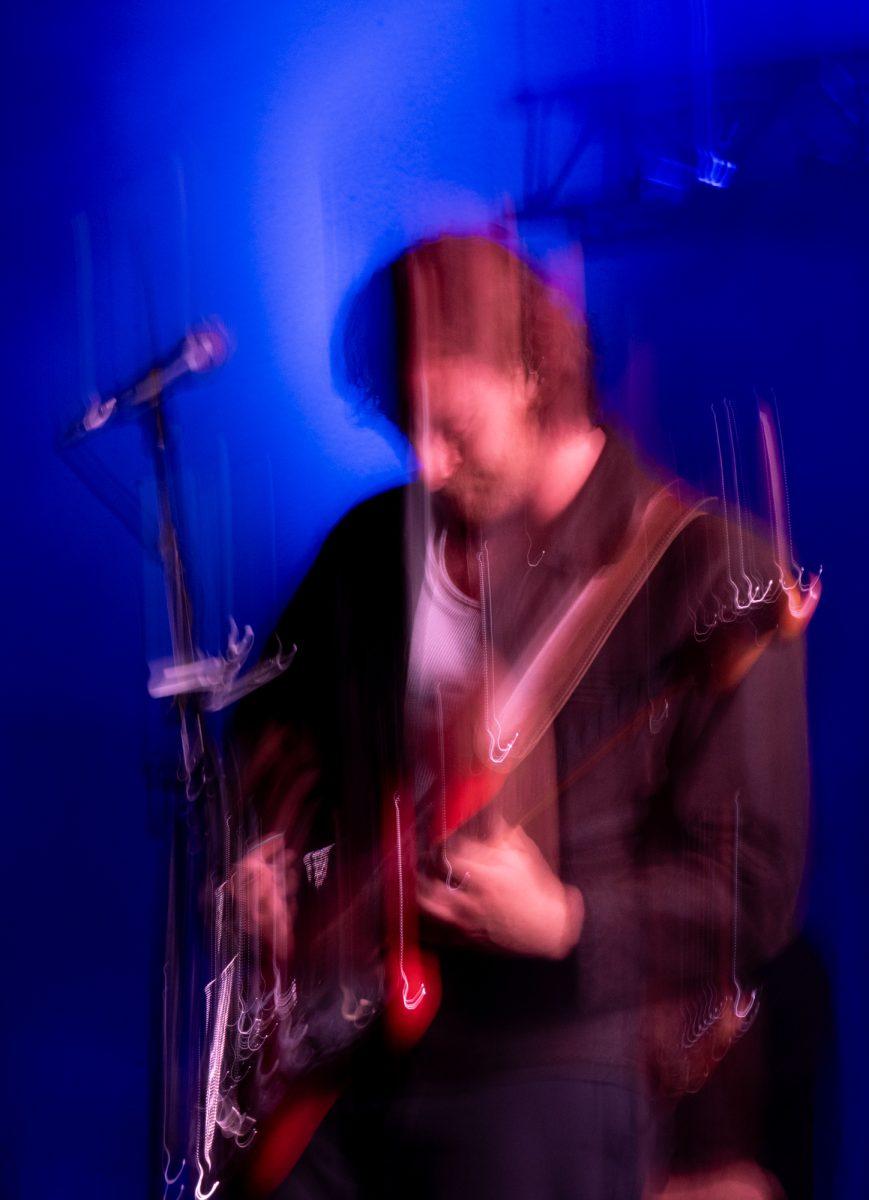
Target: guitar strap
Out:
[534,691]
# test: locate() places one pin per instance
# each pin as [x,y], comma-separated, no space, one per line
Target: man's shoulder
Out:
[727,562]
[379,512]
[359,561]
[719,564]
[365,533]
[384,505]
[356,571]
[718,597]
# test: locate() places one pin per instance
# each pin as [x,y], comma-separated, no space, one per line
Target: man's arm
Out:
[712,895]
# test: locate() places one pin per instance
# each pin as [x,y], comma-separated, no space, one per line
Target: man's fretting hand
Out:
[264,885]
[509,898]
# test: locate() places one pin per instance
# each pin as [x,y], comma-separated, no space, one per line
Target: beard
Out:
[480,497]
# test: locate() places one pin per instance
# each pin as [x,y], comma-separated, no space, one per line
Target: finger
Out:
[450,905]
[499,828]
[473,865]
[519,838]
[473,850]
[269,850]
[448,916]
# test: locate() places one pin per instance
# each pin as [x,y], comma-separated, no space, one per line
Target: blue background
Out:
[166,162]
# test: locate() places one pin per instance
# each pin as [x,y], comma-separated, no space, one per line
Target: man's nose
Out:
[439,458]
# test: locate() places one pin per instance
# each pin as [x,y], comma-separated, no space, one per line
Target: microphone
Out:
[205,348]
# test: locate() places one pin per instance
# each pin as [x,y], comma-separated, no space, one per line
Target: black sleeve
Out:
[276,731]
[738,796]
[710,893]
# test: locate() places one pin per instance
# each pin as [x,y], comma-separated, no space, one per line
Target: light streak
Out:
[498,750]
[410,1002]
[170,1180]
[174,1178]
[740,1012]
[198,1193]
[215,1058]
[443,770]
[540,556]
[714,171]
[802,596]
[356,1010]
[236,1124]
[658,720]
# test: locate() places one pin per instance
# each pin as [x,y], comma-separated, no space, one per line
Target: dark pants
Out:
[505,1139]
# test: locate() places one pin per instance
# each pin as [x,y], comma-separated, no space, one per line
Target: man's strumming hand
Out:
[508,897]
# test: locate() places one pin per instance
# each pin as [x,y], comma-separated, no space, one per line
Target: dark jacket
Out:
[681,765]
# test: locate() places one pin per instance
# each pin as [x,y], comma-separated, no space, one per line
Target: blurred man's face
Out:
[475,435]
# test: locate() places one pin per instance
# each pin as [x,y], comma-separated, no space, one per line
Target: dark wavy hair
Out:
[464,296]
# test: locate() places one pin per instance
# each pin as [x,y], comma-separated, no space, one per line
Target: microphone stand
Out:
[201,942]
[203,839]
